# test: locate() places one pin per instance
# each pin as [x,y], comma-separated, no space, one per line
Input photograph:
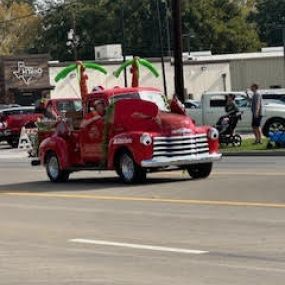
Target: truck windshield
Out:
[156,98]
[69,105]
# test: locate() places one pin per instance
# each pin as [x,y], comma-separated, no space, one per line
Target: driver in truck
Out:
[97,113]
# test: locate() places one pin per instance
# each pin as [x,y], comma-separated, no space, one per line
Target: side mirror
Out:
[176,106]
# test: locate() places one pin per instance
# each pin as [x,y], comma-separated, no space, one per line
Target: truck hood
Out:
[142,116]
[174,124]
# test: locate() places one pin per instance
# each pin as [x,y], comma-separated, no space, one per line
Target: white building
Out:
[202,72]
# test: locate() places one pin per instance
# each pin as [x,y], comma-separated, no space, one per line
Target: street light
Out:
[73,42]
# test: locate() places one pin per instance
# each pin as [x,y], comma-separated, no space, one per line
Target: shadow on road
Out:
[84,184]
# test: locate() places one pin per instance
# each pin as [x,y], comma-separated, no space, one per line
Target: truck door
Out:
[92,134]
[91,141]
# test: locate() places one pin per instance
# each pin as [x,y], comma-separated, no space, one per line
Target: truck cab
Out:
[138,134]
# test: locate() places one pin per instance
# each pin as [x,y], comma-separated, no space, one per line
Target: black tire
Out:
[13,142]
[202,170]
[237,140]
[274,125]
[53,170]
[128,170]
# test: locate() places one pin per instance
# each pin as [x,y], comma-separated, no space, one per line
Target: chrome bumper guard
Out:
[180,160]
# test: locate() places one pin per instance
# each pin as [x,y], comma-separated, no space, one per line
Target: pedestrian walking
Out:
[256,109]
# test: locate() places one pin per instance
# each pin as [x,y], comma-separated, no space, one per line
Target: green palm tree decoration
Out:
[135,63]
[82,77]
[63,73]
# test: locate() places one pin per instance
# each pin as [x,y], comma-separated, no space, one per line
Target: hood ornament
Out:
[182,131]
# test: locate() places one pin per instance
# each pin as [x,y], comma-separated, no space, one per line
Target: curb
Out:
[255,153]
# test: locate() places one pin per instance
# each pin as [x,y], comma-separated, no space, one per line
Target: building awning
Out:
[31,89]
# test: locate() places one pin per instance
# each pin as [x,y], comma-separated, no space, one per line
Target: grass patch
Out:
[247,145]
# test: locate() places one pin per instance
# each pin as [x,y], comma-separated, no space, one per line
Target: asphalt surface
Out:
[227,229]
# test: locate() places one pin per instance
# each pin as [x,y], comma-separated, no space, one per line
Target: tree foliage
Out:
[270,19]
[219,25]
[17,35]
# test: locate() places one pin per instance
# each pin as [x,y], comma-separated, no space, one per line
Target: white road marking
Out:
[138,246]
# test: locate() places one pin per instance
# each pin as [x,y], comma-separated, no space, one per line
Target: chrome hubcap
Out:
[276,127]
[53,167]
[127,167]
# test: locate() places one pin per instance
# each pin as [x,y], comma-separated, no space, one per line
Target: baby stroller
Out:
[226,126]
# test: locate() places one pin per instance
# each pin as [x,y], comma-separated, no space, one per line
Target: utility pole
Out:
[123,43]
[283,36]
[167,25]
[161,48]
[177,47]
[283,33]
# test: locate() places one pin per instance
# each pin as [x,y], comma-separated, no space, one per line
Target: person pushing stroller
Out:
[227,123]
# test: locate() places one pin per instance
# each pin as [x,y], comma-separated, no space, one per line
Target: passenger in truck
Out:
[97,113]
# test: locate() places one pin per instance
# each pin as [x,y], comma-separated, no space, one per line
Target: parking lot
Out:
[227,229]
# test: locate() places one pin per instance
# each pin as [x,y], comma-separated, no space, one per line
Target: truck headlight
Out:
[213,134]
[3,125]
[145,139]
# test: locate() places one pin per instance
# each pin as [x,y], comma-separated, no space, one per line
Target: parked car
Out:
[12,120]
[213,107]
[192,104]
[276,96]
[138,134]
[6,106]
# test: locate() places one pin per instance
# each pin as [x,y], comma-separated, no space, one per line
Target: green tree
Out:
[219,25]
[18,27]
[98,23]
[91,22]
[270,18]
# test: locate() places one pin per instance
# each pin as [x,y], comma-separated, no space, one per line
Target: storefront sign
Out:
[27,73]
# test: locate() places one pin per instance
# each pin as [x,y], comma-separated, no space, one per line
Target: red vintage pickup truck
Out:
[12,120]
[137,135]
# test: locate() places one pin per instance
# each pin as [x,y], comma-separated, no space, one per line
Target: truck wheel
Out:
[274,125]
[13,142]
[129,171]
[200,170]
[54,172]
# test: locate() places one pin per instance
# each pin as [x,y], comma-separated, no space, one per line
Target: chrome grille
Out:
[180,145]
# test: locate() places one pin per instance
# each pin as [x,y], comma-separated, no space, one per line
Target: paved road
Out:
[228,229]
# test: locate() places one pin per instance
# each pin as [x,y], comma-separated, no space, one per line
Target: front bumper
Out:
[5,134]
[180,160]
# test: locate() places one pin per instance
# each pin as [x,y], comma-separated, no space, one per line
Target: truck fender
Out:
[58,146]
[128,142]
